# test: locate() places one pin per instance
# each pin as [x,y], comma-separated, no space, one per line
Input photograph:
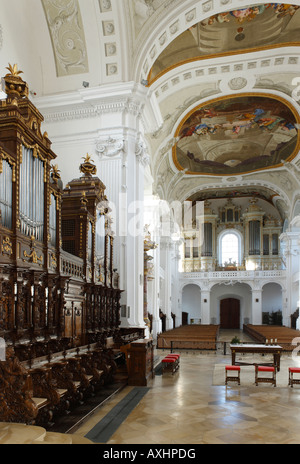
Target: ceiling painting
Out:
[256,27]
[235,135]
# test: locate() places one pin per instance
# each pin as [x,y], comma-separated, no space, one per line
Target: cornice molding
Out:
[91,103]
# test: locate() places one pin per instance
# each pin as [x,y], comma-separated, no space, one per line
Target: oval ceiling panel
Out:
[235,135]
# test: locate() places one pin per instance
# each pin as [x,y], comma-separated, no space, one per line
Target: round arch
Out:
[158,34]
[272,303]
[220,245]
[191,302]
[241,292]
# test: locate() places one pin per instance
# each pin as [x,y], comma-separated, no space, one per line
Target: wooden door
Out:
[185,318]
[230,314]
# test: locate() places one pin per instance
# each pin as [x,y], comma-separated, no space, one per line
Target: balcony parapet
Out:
[232,277]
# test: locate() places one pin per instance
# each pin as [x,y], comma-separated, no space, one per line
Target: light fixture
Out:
[85,84]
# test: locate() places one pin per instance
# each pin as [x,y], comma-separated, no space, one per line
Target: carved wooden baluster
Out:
[20,306]
[2,327]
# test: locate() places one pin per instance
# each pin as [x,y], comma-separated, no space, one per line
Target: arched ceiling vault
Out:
[206,146]
[191,56]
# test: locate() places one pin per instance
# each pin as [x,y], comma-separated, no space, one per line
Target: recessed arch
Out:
[272,303]
[231,31]
[191,302]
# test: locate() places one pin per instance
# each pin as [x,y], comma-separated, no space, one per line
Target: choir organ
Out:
[56,244]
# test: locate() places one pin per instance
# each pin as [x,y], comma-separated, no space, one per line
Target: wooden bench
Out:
[283,336]
[190,337]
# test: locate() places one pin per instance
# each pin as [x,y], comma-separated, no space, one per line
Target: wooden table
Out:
[275,350]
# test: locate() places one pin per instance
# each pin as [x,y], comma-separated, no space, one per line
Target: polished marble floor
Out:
[186,408]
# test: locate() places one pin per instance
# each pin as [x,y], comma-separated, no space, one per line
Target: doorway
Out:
[230,314]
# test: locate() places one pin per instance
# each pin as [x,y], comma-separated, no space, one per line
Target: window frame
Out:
[220,245]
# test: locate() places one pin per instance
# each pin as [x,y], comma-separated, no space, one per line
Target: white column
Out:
[166,256]
[256,306]
[176,306]
[154,287]
[205,307]
[290,244]
[132,236]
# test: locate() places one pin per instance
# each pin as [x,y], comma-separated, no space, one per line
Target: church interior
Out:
[149,222]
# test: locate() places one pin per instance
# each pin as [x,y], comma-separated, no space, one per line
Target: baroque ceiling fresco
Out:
[245,30]
[234,135]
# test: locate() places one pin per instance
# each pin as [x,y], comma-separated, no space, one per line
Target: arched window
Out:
[230,249]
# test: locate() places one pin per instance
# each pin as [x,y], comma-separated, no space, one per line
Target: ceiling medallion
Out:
[238,83]
[240,34]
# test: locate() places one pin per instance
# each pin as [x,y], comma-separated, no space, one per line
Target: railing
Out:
[232,275]
[71,265]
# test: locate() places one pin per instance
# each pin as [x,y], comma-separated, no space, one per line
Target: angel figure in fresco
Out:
[242,15]
[283,10]
[269,123]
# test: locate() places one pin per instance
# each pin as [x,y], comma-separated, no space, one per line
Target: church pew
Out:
[190,337]
[283,335]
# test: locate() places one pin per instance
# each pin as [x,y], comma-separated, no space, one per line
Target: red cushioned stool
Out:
[175,356]
[266,369]
[230,378]
[170,363]
[292,380]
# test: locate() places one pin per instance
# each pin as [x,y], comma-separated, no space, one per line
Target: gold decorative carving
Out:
[33,257]
[55,173]
[14,84]
[87,167]
[53,260]
[9,159]
[7,246]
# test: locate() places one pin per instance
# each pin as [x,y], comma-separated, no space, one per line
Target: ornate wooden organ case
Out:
[56,277]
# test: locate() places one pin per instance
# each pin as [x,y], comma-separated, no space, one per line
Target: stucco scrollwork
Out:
[110,147]
[67,35]
[142,153]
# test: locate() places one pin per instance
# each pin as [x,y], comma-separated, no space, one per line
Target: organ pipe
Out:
[52,220]
[31,193]
[6,194]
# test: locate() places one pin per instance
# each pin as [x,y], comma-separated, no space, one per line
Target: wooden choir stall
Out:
[59,302]
[140,362]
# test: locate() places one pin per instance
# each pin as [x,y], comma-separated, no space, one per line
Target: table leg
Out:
[233,358]
[277,361]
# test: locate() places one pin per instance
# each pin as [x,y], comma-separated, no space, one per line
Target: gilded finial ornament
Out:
[14,71]
[55,173]
[88,168]
[14,84]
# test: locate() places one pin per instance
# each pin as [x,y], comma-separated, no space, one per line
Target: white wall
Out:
[240,292]
[271,298]
[191,301]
